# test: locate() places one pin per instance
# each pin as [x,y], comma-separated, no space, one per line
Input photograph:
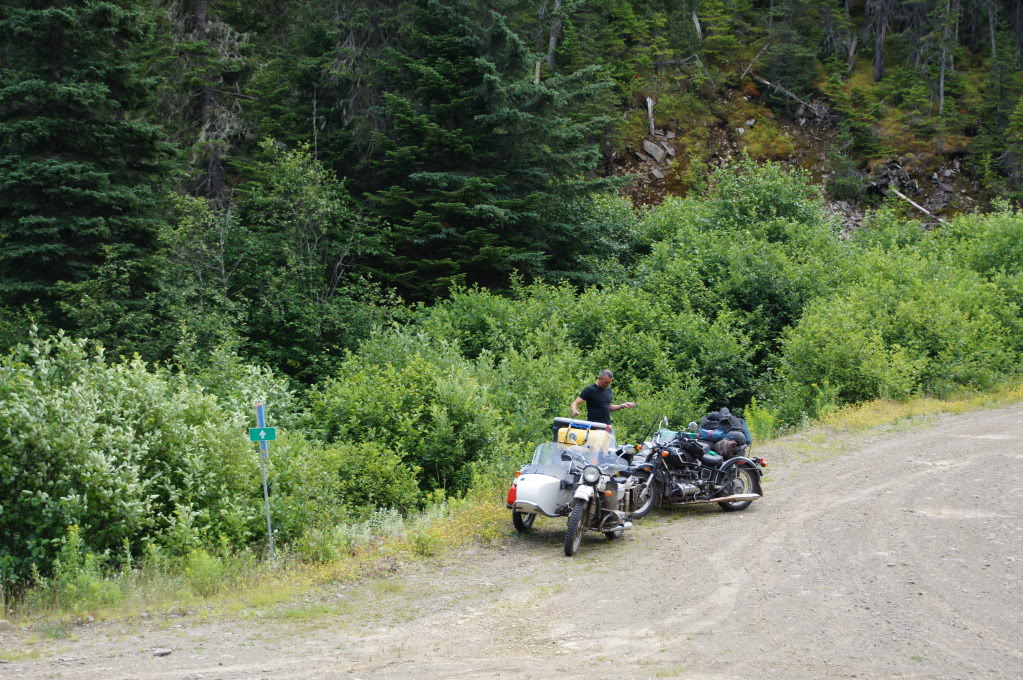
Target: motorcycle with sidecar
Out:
[581,474]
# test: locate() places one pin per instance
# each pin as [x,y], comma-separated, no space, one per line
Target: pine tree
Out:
[323,81]
[479,158]
[77,169]
[205,63]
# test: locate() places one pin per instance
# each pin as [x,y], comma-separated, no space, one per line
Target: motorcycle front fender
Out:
[584,492]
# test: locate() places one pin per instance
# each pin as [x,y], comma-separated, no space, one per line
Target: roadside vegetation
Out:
[127,485]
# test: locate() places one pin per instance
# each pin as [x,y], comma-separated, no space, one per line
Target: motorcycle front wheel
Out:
[574,535]
[523,521]
[744,479]
[647,500]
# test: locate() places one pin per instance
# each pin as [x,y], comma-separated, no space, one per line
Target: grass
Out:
[208,585]
[21,655]
[887,412]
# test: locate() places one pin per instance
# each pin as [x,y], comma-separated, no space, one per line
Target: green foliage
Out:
[121,450]
[435,417]
[78,584]
[307,294]
[887,229]
[204,573]
[70,88]
[761,419]
[287,273]
[319,487]
[478,160]
[908,324]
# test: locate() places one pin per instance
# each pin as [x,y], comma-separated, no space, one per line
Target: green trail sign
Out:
[262,434]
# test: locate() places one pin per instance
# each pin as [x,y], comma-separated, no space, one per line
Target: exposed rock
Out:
[657,174]
[670,135]
[749,123]
[740,130]
[671,149]
[654,150]
[5,625]
[162,651]
[643,157]
[892,174]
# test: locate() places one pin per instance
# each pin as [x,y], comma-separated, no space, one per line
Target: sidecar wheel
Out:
[574,535]
[523,521]
[744,476]
[648,502]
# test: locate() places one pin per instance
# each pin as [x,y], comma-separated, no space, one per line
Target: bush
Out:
[204,573]
[845,187]
[121,450]
[78,584]
[437,418]
[910,324]
[317,487]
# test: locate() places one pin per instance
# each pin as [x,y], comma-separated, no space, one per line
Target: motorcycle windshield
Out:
[554,453]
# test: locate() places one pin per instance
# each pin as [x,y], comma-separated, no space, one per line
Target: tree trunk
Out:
[699,31]
[879,36]
[1017,26]
[552,44]
[946,20]
[992,20]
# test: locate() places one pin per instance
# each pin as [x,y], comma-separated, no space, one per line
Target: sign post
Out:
[264,434]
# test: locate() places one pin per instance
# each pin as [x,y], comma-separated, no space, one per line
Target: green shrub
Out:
[437,418]
[317,487]
[849,187]
[762,420]
[78,584]
[120,450]
[910,324]
[204,573]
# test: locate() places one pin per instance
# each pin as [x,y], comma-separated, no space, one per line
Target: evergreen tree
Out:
[478,158]
[205,62]
[323,81]
[77,168]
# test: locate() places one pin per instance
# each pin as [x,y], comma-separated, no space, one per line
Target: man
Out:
[598,399]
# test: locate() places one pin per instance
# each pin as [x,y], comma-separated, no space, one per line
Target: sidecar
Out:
[545,485]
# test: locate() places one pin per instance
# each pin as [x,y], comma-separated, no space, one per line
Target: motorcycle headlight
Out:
[591,473]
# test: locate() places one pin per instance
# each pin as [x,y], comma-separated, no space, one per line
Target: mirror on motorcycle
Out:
[692,426]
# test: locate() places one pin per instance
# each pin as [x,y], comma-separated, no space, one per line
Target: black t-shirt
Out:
[598,403]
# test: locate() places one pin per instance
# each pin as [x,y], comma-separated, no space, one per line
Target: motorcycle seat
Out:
[712,459]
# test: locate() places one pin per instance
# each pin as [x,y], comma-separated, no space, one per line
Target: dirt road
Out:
[892,554]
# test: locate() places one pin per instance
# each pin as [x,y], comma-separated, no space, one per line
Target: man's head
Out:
[604,378]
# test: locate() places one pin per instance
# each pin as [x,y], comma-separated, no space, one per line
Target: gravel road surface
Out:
[893,553]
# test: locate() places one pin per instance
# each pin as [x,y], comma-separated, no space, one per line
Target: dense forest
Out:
[416,229]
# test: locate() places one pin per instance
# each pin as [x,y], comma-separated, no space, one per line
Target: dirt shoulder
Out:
[896,553]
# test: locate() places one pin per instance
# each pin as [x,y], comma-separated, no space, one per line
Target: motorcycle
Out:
[581,474]
[679,468]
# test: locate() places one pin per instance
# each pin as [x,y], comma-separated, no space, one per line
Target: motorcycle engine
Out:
[683,491]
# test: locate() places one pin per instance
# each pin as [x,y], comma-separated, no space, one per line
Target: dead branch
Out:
[917,206]
[766,45]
